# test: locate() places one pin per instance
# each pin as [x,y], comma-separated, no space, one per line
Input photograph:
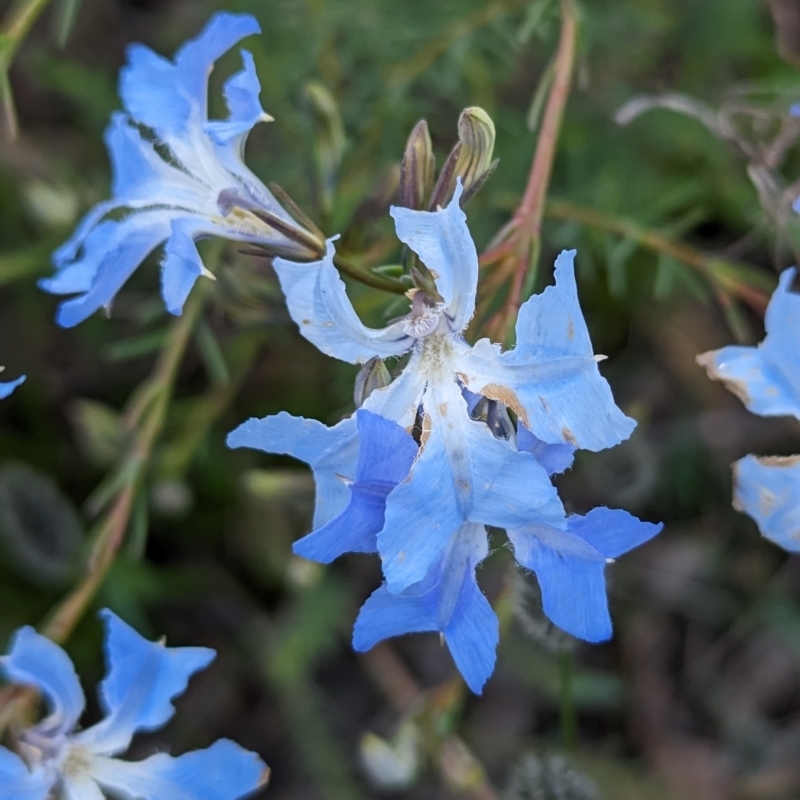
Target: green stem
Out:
[18,22]
[110,531]
[367,277]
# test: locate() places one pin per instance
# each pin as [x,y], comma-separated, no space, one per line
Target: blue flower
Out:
[142,680]
[424,510]
[550,380]
[767,380]
[177,175]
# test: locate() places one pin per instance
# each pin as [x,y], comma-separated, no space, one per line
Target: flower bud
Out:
[372,375]
[418,168]
[470,159]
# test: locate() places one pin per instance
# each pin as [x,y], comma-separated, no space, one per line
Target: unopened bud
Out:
[418,168]
[470,159]
[372,375]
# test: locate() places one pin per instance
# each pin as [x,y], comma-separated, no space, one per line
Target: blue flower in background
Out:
[424,510]
[142,680]
[767,380]
[7,387]
[177,176]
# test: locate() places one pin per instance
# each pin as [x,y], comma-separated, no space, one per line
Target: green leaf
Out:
[66,13]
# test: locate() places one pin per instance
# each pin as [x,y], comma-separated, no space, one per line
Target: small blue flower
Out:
[142,680]
[767,380]
[177,175]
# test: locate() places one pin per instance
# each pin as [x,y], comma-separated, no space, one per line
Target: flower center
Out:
[424,316]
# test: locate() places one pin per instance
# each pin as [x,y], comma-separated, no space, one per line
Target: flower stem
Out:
[110,531]
[569,722]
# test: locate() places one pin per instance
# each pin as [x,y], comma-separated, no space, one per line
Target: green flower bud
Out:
[418,168]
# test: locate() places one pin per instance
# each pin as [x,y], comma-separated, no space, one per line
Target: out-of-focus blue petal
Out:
[181,268]
[36,661]
[385,457]
[766,378]
[224,771]
[569,565]
[112,251]
[242,95]
[164,95]
[465,474]
[555,458]
[143,678]
[7,387]
[330,452]
[768,489]
[17,782]
[80,786]
[318,303]
[550,379]
[447,600]
[794,110]
[443,242]
[612,531]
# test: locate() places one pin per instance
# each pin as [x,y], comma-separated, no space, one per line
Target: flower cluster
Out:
[177,177]
[142,680]
[767,380]
[424,504]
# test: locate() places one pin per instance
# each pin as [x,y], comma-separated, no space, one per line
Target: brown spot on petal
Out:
[306,322]
[568,436]
[505,396]
[739,388]
[443,409]
[570,330]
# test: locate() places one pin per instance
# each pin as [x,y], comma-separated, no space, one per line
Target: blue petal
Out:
[766,377]
[181,268]
[467,475]
[768,489]
[612,531]
[330,452]
[36,661]
[400,400]
[443,242]
[555,458]
[318,303]
[142,680]
[112,252]
[573,588]
[447,600]
[569,565]
[242,95]
[550,379]
[224,771]
[17,782]
[385,457]
[163,95]
[7,387]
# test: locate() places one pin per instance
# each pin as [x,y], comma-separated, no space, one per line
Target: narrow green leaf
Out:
[66,13]
[211,352]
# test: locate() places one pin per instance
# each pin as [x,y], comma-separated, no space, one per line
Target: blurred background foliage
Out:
[698,695]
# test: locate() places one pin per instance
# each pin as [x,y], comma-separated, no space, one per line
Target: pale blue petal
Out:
[385,457]
[447,600]
[112,252]
[612,531]
[224,771]
[318,303]
[555,458]
[142,680]
[133,160]
[400,400]
[7,387]
[164,95]
[330,452]
[17,782]
[195,60]
[36,661]
[443,242]
[467,475]
[550,379]
[242,95]
[766,378]
[181,268]
[768,489]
